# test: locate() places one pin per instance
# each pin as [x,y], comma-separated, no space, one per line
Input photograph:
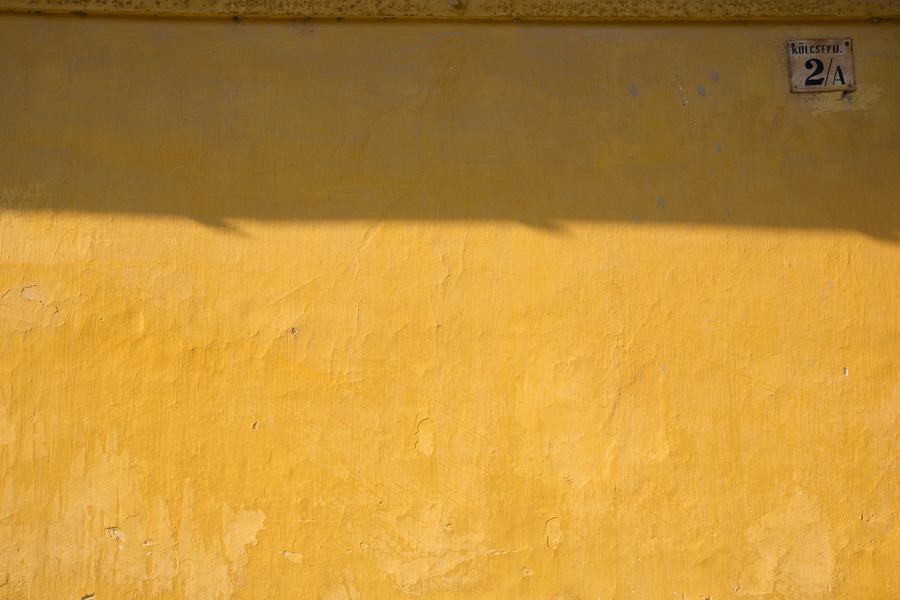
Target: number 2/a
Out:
[818,66]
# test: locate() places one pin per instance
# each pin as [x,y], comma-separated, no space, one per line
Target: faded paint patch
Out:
[161,550]
[344,589]
[418,553]
[789,550]
[865,96]
[100,517]
[25,308]
[7,427]
[209,571]
[240,529]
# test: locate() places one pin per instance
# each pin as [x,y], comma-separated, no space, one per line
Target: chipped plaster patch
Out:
[553,529]
[425,437]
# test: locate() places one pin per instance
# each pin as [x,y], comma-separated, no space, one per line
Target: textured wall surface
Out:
[362,310]
[482,9]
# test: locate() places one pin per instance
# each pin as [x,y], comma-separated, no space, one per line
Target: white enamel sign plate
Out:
[821,65]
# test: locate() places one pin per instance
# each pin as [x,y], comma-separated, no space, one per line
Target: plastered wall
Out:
[365,310]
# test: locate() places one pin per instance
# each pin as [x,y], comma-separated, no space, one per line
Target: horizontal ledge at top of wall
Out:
[568,10]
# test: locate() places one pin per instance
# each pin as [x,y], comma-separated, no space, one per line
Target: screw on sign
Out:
[821,65]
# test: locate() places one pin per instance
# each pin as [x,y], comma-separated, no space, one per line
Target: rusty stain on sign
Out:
[821,65]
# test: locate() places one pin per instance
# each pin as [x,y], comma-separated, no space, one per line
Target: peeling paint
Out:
[293,557]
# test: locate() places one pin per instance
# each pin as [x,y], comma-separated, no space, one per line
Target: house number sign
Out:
[821,65]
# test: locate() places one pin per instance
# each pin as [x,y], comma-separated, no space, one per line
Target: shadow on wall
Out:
[538,123]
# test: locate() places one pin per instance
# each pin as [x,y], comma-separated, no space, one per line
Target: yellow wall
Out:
[364,310]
